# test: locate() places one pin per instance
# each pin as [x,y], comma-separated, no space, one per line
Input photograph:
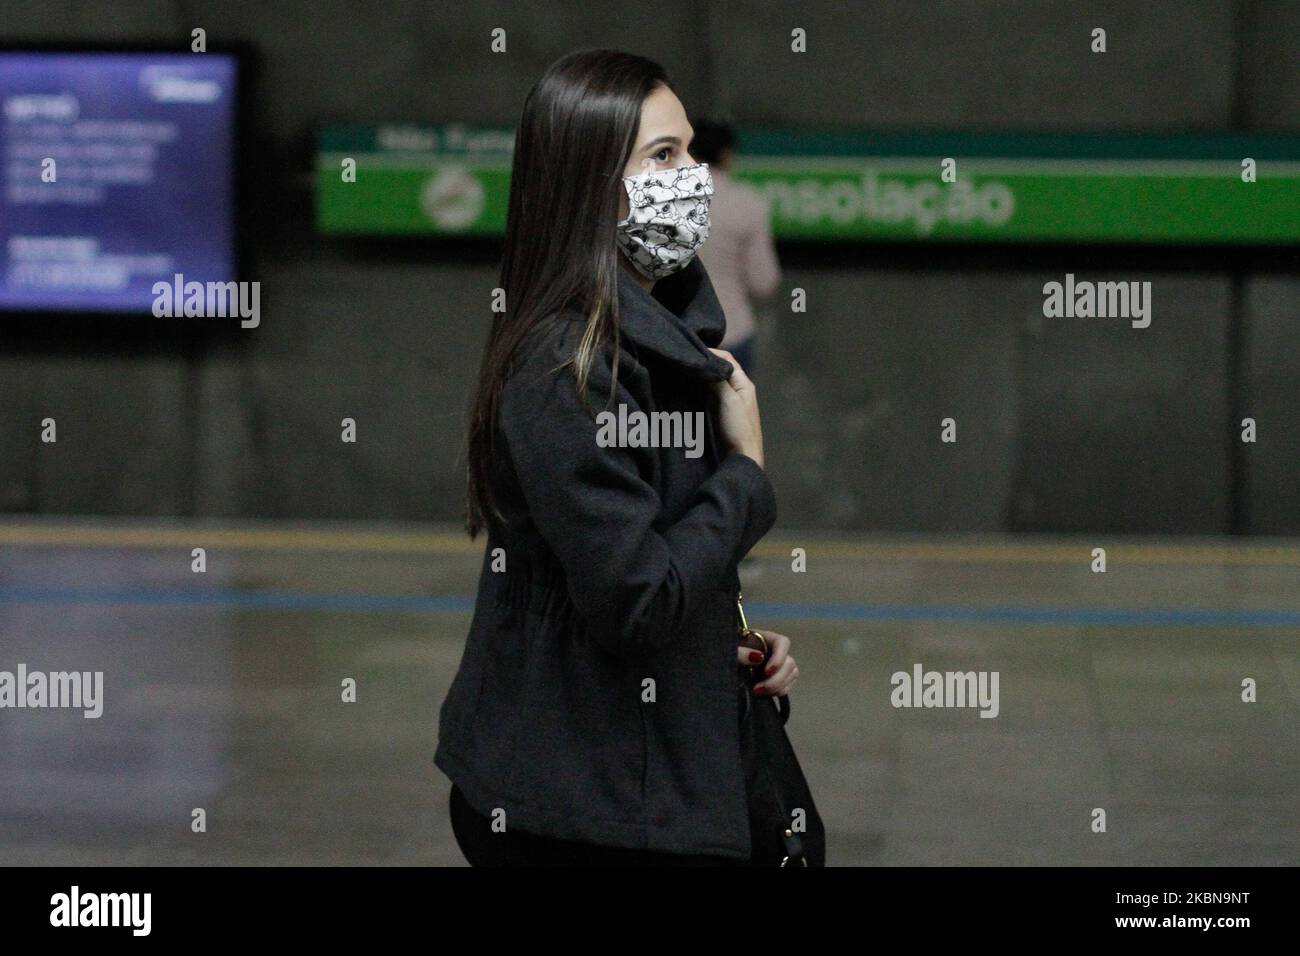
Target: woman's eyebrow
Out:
[670,140]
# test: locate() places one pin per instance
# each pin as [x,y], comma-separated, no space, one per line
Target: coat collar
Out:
[679,321]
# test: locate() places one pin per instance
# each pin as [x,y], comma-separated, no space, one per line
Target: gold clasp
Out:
[745,629]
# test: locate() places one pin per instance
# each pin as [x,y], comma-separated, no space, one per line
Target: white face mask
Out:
[668,218]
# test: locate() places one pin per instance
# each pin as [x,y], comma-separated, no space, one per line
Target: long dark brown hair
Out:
[576,134]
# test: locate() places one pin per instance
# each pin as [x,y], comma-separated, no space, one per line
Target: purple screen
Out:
[141,183]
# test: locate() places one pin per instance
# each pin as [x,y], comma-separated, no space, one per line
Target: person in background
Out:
[739,255]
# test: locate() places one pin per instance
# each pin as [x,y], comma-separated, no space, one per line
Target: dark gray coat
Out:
[620,567]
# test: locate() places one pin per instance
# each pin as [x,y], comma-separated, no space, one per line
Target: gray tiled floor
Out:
[233,706]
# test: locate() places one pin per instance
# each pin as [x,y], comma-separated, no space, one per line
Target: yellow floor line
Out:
[239,539]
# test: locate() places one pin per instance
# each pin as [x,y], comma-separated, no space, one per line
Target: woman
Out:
[594,717]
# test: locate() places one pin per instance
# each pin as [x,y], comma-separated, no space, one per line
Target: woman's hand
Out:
[780,670]
[738,411]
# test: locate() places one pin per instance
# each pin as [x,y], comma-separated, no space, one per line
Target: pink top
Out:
[739,254]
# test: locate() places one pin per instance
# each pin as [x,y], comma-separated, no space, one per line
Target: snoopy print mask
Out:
[668,218]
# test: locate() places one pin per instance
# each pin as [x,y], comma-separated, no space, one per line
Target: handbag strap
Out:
[794,851]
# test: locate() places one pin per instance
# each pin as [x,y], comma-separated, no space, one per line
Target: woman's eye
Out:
[663,154]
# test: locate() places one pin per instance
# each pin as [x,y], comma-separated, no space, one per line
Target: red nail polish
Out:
[760,691]
[756,658]
[771,670]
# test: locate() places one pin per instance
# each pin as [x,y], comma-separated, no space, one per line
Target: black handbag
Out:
[785,828]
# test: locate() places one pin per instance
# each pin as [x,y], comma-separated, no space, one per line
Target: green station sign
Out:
[454,179]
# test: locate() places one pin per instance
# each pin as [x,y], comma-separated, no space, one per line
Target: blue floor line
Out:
[400,604]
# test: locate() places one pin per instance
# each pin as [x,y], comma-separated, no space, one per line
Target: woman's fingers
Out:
[739,380]
[779,650]
[776,645]
[741,426]
[724,354]
[779,669]
[780,682]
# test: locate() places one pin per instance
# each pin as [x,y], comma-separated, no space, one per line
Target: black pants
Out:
[513,847]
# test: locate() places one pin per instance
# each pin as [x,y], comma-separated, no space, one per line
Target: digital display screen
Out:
[118,173]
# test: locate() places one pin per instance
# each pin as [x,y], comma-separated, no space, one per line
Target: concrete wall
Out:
[1072,426]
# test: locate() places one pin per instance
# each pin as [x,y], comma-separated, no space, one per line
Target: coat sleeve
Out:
[634,584]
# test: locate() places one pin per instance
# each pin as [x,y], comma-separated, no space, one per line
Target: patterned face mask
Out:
[668,218]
